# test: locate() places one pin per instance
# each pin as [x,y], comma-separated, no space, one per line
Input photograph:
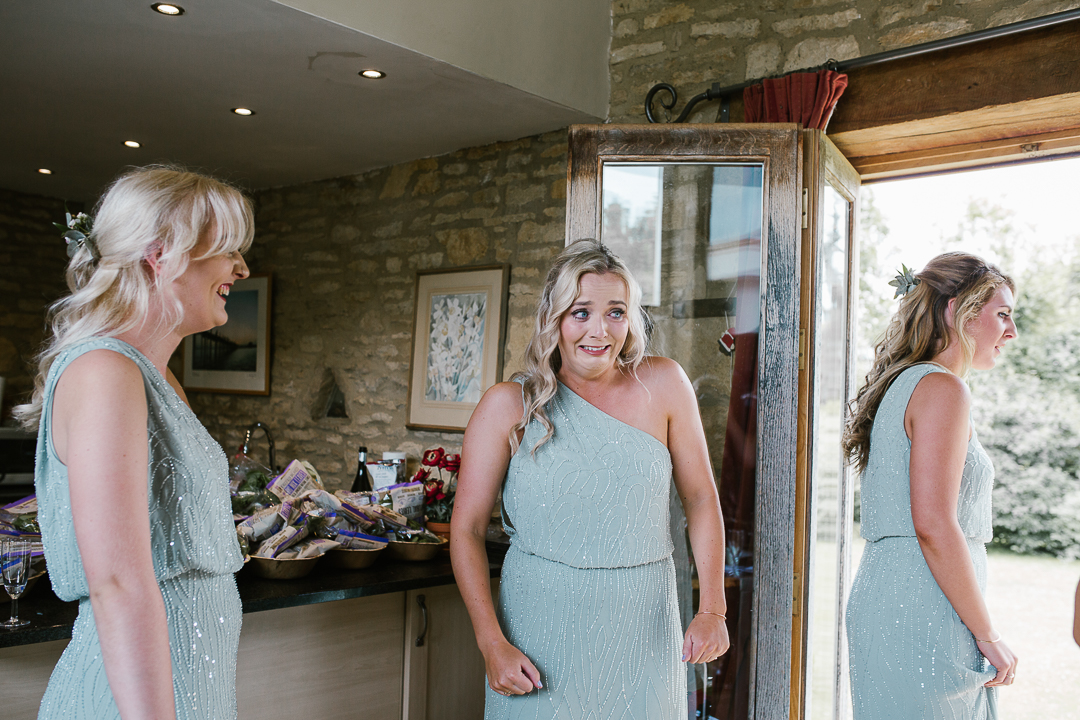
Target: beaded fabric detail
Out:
[194,549]
[588,585]
[910,655]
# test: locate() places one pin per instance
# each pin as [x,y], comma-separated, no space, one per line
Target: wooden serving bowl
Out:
[352,559]
[414,552]
[276,569]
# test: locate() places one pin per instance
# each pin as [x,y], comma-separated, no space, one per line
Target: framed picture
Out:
[234,358]
[458,336]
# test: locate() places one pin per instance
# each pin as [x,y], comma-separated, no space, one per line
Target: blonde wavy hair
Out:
[561,289]
[918,332]
[158,211]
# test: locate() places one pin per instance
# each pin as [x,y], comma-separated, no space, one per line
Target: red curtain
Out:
[807,98]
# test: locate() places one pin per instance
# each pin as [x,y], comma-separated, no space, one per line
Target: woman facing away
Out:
[921,642]
[584,445]
[132,491]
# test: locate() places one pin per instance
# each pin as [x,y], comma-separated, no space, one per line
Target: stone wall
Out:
[694,43]
[344,255]
[32,262]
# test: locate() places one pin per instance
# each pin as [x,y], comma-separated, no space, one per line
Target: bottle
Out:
[362,483]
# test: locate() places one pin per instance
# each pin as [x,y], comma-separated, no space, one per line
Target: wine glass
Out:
[15,567]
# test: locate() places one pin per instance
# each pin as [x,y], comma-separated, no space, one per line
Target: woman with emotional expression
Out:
[584,445]
[133,493]
[921,641]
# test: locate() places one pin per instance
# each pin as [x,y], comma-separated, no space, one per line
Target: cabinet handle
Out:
[420,600]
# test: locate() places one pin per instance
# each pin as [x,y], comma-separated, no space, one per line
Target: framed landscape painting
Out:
[458,337]
[234,358]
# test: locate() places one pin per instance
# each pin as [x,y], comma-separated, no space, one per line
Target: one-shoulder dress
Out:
[911,658]
[588,584]
[195,554]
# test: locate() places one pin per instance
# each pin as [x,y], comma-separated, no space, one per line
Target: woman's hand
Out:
[509,672]
[1002,658]
[706,639]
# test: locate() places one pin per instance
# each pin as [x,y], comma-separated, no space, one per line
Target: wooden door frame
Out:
[779,149]
[822,163]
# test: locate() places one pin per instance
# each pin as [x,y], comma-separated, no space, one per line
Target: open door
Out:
[711,218]
[825,490]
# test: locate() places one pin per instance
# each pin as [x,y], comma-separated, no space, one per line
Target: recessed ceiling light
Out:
[167,9]
[243,111]
[45,171]
[373,74]
[132,143]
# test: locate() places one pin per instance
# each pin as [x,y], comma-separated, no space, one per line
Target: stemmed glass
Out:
[15,567]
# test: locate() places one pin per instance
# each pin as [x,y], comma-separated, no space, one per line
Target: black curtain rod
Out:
[721,93]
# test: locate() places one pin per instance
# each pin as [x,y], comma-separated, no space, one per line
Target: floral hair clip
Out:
[77,234]
[905,281]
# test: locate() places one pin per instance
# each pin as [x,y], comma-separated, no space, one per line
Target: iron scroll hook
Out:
[713,93]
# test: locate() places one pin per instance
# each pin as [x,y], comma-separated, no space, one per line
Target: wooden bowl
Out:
[350,559]
[275,569]
[4,597]
[414,552]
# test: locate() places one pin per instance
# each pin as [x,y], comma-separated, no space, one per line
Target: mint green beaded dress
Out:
[911,658]
[194,551]
[588,584]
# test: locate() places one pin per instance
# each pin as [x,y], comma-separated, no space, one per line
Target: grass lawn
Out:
[1031,602]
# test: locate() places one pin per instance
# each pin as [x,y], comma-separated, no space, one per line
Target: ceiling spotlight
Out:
[167,9]
[45,171]
[373,74]
[132,143]
[243,111]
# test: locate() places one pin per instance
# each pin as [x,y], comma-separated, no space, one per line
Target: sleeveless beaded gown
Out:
[588,585]
[194,551]
[911,657]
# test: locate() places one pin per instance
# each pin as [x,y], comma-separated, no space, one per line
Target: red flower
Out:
[421,475]
[432,458]
[453,462]
[432,491]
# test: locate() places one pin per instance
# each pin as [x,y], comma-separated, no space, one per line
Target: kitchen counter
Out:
[52,619]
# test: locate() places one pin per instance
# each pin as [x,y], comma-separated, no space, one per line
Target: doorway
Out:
[1026,410]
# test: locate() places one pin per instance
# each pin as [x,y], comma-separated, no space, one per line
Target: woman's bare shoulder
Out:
[661,373]
[939,394]
[101,369]
[501,405]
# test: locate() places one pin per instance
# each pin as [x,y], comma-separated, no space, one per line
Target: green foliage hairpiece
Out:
[905,281]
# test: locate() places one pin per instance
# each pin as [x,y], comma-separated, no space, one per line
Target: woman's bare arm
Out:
[937,423]
[707,636]
[99,430]
[485,456]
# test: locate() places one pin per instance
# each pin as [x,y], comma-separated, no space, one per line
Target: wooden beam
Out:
[1037,64]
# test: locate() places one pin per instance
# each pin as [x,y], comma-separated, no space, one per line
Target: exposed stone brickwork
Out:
[344,255]
[32,262]
[694,43]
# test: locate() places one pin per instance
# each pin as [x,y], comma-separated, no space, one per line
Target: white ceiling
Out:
[79,77]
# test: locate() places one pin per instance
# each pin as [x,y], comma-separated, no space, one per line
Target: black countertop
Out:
[52,619]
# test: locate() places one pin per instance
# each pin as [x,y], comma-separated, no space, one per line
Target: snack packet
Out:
[298,477]
[261,525]
[288,537]
[408,499]
[359,541]
[312,547]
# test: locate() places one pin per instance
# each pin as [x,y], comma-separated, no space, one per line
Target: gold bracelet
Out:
[706,612]
[989,641]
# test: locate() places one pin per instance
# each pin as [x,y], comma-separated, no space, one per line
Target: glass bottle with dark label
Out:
[362,483]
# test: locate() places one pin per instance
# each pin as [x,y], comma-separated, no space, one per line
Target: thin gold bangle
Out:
[989,641]
[706,612]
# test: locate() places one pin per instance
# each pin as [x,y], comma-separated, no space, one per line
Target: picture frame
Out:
[234,358]
[459,329]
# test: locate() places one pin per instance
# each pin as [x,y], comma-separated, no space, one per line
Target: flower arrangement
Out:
[438,493]
[77,233]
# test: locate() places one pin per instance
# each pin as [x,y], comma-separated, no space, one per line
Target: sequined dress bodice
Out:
[595,495]
[909,654]
[587,588]
[194,550]
[886,488]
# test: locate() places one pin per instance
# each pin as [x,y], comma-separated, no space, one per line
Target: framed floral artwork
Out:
[234,358]
[458,337]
